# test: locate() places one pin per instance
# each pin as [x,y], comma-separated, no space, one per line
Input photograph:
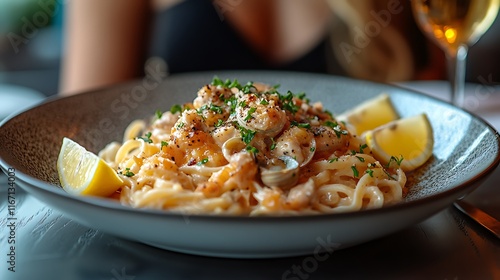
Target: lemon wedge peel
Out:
[410,138]
[83,173]
[370,114]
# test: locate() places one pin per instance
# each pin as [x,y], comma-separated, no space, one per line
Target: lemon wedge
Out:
[370,114]
[410,138]
[84,173]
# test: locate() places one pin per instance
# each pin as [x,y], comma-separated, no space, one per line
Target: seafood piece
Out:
[282,173]
[298,143]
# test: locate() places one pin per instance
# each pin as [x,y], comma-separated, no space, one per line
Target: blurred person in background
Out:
[108,42]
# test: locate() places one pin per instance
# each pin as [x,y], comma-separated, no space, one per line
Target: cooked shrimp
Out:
[297,143]
[191,143]
[260,114]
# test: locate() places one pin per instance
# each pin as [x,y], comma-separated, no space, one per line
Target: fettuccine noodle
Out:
[250,150]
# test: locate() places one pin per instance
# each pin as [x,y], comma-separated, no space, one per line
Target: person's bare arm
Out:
[104,43]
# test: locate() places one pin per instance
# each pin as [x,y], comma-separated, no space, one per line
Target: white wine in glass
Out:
[455,25]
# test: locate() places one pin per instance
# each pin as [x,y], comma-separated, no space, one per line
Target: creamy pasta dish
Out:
[250,149]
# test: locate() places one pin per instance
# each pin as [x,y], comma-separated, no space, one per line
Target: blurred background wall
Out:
[31,36]
[31,43]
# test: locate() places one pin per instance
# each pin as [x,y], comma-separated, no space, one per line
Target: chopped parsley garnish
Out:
[180,125]
[247,88]
[216,81]
[201,109]
[163,144]
[369,172]
[158,114]
[302,96]
[232,102]
[355,171]
[339,131]
[288,104]
[273,145]
[146,138]
[216,109]
[312,149]
[336,128]
[362,147]
[395,160]
[398,161]
[331,124]
[273,90]
[211,107]
[389,175]
[250,112]
[128,173]
[264,102]
[247,135]
[301,125]
[360,159]
[203,161]
[233,84]
[252,149]
[219,123]
[333,160]
[176,108]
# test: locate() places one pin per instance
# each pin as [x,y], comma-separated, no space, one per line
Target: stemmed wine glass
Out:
[455,25]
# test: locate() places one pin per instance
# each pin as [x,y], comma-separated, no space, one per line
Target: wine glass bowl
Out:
[454,25]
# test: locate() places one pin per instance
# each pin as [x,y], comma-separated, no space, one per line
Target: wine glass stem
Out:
[456,68]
